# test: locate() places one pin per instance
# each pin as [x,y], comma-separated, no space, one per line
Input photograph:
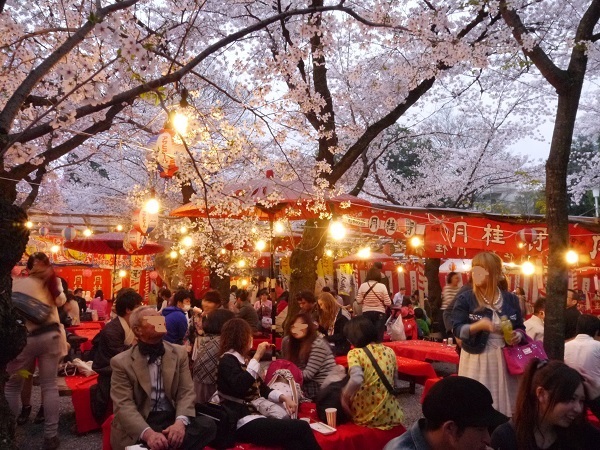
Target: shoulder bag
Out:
[518,356]
[225,419]
[395,392]
[31,308]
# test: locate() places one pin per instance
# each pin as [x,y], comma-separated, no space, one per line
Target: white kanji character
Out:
[460,229]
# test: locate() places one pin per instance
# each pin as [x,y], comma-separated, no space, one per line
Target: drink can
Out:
[445,341]
[450,341]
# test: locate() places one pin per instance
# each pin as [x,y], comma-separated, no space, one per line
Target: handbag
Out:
[31,308]
[517,357]
[395,392]
[225,419]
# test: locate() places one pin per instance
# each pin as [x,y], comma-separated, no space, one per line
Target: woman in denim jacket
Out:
[477,323]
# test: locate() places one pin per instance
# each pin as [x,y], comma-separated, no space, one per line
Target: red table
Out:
[419,371]
[348,436]
[80,396]
[90,325]
[424,351]
[257,341]
[88,333]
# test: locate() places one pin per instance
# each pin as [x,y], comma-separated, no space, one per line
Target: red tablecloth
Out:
[88,333]
[348,436]
[421,370]
[424,350]
[91,325]
[80,396]
[257,341]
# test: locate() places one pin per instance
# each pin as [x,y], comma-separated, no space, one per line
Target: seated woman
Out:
[549,413]
[238,380]
[204,370]
[310,352]
[365,398]
[332,318]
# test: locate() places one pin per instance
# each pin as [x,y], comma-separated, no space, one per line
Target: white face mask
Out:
[186,308]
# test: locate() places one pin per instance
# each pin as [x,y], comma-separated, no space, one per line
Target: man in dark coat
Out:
[571,314]
[116,337]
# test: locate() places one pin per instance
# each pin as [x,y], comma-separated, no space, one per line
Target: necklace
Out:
[494,302]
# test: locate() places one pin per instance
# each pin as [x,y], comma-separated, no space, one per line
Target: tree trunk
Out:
[303,261]
[557,219]
[13,239]
[221,284]
[8,189]
[434,288]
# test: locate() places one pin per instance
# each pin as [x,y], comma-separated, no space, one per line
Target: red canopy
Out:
[110,244]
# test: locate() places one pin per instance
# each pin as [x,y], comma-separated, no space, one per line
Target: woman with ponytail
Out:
[549,413]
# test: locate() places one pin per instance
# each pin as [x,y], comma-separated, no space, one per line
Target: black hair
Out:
[212,296]
[164,293]
[588,324]
[100,294]
[37,256]
[449,277]
[233,288]
[127,298]
[242,294]
[360,331]
[214,321]
[306,295]
[373,274]
[326,289]
[77,290]
[539,305]
[180,296]
[419,313]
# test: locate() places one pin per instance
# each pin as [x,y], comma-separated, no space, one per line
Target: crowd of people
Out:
[155,364]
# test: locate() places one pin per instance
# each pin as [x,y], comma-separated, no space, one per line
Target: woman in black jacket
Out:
[238,383]
[332,318]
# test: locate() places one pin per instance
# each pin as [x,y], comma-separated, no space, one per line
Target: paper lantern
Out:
[153,275]
[144,222]
[135,239]
[527,236]
[44,231]
[127,246]
[165,150]
[69,233]
[87,273]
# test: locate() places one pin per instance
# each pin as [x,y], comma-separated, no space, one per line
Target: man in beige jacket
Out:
[153,393]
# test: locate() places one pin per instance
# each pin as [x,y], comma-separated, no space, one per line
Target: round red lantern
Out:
[143,221]
[87,273]
[153,275]
[69,233]
[527,236]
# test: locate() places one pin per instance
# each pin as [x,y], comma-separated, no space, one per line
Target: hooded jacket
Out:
[177,324]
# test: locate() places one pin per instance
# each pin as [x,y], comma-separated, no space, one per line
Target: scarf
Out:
[152,351]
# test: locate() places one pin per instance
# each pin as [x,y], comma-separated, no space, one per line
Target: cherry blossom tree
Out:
[559,39]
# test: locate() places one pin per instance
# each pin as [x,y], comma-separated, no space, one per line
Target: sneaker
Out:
[51,443]
[24,416]
[39,417]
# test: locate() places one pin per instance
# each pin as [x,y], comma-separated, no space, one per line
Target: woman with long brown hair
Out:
[310,352]
[332,318]
[549,413]
[239,383]
[477,320]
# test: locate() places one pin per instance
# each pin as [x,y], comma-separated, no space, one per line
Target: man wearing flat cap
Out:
[458,416]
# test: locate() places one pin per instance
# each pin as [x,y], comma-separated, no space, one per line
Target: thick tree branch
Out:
[35,184]
[14,103]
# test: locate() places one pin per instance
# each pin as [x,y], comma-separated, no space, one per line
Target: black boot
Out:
[39,417]
[24,416]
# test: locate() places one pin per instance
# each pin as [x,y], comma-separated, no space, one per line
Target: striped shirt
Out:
[375,299]
[448,294]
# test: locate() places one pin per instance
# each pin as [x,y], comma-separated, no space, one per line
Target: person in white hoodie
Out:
[44,342]
[534,326]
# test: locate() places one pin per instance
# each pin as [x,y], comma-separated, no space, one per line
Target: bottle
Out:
[507,329]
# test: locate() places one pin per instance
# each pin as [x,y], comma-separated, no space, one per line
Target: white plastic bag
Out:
[396,330]
[84,368]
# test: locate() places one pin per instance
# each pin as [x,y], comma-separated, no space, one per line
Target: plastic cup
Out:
[331,414]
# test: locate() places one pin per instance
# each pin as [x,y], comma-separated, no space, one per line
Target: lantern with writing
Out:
[144,222]
[87,273]
[164,148]
[526,236]
[44,231]
[153,275]
[135,239]
[69,233]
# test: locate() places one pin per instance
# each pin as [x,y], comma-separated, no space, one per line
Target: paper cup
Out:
[331,414]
